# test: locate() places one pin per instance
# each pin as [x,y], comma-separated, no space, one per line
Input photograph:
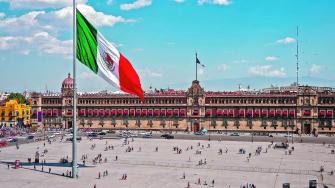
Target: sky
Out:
[252,43]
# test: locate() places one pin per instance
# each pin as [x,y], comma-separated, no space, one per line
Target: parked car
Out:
[70,139]
[167,136]
[235,134]
[199,133]
[93,134]
[147,135]
[29,137]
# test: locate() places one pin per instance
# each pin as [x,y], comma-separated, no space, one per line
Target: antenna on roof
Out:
[297,59]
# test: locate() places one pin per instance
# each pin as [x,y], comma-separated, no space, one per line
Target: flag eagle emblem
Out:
[109,62]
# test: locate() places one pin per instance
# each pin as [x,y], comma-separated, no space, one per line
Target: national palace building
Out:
[306,110]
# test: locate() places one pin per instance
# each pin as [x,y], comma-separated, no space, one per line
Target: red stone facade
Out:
[306,111]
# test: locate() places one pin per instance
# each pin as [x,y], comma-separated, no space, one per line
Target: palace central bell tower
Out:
[195,105]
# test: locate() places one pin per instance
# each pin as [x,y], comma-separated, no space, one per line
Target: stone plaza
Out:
[170,164]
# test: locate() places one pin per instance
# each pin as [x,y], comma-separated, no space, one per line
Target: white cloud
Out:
[86,75]
[101,19]
[315,69]
[64,17]
[216,2]
[223,67]
[55,21]
[201,71]
[271,58]
[135,5]
[267,71]
[150,73]
[40,4]
[41,27]
[109,2]
[179,1]
[22,25]
[39,42]
[286,40]
[2,15]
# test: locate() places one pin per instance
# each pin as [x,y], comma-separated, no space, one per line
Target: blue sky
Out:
[240,42]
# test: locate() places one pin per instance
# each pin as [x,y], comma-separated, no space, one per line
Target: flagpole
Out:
[74,123]
[196,67]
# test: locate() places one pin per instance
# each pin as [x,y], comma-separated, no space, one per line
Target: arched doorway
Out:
[307,128]
[69,124]
[196,126]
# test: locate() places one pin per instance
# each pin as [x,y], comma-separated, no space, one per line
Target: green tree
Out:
[19,97]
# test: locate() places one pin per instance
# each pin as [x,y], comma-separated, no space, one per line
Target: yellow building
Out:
[13,113]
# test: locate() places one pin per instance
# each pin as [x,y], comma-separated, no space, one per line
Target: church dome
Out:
[68,82]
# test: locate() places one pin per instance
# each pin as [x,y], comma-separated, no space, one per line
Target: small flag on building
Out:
[102,57]
[198,62]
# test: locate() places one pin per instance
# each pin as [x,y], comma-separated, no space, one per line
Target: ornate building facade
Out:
[12,113]
[306,111]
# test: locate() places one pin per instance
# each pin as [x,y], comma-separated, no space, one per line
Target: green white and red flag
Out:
[104,59]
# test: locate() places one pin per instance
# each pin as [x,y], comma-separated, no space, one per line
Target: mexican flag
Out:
[102,57]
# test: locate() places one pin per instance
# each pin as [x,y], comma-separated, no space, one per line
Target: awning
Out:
[272,112]
[264,112]
[144,112]
[329,113]
[307,112]
[169,112]
[114,112]
[208,112]
[292,113]
[163,113]
[176,112]
[107,112]
[242,112]
[156,112]
[322,113]
[82,112]
[249,112]
[90,112]
[257,112]
[96,112]
[55,112]
[219,112]
[125,112]
[138,112]
[49,112]
[182,112]
[102,112]
[119,112]
[150,112]
[278,112]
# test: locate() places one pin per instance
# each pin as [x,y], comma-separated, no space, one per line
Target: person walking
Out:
[188,185]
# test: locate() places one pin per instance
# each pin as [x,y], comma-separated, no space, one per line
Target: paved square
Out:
[147,167]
